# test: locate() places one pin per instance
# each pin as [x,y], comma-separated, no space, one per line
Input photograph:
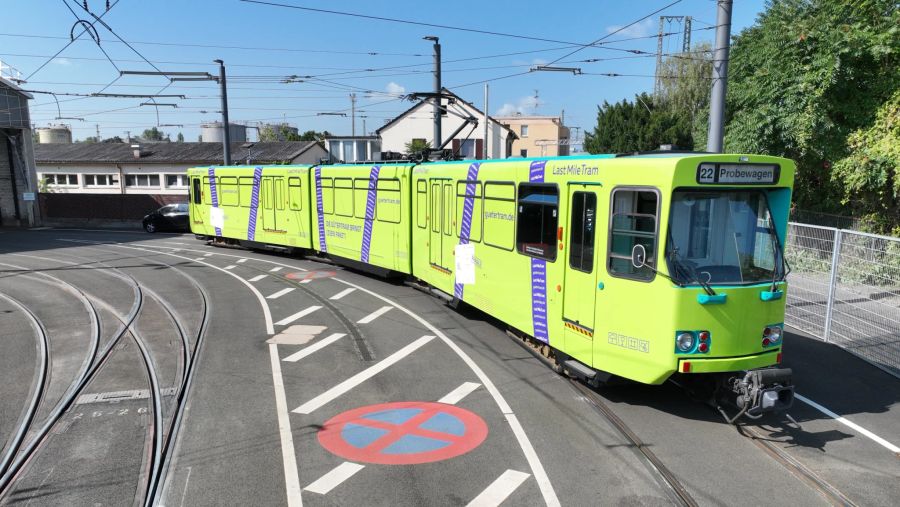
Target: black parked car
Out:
[174,217]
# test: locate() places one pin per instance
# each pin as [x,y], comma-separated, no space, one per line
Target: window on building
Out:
[582,231]
[524,131]
[176,181]
[142,180]
[100,180]
[538,216]
[467,149]
[523,153]
[69,180]
[633,222]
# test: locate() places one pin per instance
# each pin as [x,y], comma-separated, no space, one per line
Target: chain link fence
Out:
[845,289]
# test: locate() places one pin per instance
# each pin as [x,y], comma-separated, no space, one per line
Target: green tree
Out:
[803,78]
[179,138]
[417,146]
[642,125]
[153,134]
[312,135]
[870,174]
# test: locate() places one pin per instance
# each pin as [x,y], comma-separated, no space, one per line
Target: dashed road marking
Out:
[275,269]
[306,280]
[342,293]
[198,259]
[302,313]
[374,315]
[291,476]
[296,356]
[256,278]
[242,260]
[884,443]
[456,395]
[230,267]
[500,489]
[335,477]
[345,386]
[207,255]
[280,293]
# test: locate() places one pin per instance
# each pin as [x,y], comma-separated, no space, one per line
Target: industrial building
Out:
[18,182]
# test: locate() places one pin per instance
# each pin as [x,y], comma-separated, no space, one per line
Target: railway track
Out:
[162,431]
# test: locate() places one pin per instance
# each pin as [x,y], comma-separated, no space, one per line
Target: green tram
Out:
[639,266]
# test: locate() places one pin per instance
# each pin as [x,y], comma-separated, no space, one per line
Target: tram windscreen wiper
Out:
[691,272]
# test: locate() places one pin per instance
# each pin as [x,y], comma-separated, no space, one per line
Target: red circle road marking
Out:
[403,433]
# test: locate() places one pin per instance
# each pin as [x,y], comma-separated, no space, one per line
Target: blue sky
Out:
[334,49]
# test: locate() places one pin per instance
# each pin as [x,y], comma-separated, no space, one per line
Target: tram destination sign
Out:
[737,174]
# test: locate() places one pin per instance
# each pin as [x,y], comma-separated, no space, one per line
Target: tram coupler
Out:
[758,392]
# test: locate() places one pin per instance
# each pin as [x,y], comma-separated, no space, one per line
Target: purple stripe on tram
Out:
[371,197]
[254,203]
[318,177]
[468,210]
[214,195]
[539,272]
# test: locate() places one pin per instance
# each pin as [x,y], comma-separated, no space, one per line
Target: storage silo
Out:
[212,132]
[55,134]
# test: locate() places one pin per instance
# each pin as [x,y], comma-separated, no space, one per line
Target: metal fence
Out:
[844,287]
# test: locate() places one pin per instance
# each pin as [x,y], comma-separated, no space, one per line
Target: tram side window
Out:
[327,196]
[421,204]
[343,197]
[388,203]
[279,193]
[295,194]
[583,229]
[207,199]
[537,221]
[500,215]
[196,190]
[360,196]
[633,222]
[466,189]
[245,186]
[228,191]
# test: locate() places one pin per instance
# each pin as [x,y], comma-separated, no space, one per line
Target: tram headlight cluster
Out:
[772,335]
[692,342]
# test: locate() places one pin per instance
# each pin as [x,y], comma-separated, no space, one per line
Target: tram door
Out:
[579,297]
[441,227]
[268,204]
[196,200]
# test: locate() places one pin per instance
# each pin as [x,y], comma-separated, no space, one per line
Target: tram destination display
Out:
[737,174]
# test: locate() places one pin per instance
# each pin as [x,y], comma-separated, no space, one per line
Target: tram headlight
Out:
[685,341]
[772,335]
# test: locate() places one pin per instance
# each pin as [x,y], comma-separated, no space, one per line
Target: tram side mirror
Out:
[638,256]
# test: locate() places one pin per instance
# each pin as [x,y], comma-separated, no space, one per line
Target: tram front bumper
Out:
[726,364]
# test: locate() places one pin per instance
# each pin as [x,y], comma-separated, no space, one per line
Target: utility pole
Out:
[720,77]
[436,143]
[364,128]
[353,114]
[226,137]
[485,153]
[97,125]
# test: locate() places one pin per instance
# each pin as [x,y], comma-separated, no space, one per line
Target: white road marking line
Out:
[334,478]
[199,259]
[296,356]
[207,255]
[456,395]
[500,489]
[374,315]
[302,313]
[884,443]
[220,254]
[291,476]
[342,293]
[241,261]
[280,293]
[345,386]
[232,266]
[274,270]
[537,468]
[306,280]
[256,278]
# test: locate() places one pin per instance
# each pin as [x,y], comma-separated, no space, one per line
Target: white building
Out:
[353,149]
[417,122]
[157,168]
[18,182]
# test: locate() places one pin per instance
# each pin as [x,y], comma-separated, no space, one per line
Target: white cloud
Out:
[395,89]
[525,105]
[637,30]
[62,61]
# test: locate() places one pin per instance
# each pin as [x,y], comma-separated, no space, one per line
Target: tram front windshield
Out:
[723,237]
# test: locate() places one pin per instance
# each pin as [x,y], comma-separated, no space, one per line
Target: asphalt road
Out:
[278,380]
